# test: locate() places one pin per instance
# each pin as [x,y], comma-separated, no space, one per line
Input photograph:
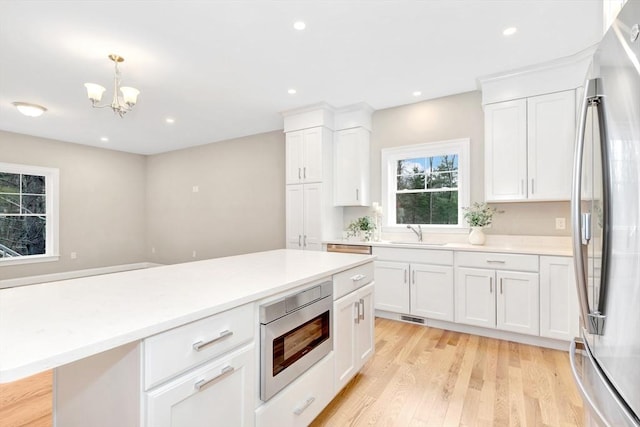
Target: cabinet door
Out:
[219,393]
[345,318]
[505,171]
[351,166]
[312,154]
[518,302]
[559,316]
[550,140]
[432,291]
[392,286]
[312,236]
[475,297]
[294,216]
[294,156]
[365,339]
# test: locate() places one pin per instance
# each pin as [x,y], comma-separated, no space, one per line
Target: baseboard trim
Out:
[476,330]
[53,277]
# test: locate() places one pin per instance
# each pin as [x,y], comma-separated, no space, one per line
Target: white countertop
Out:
[533,245]
[51,324]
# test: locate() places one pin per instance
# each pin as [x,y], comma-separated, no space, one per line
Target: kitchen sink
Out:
[417,243]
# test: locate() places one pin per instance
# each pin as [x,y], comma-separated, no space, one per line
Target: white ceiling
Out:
[222,68]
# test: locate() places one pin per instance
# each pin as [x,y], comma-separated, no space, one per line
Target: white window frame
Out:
[390,157]
[52,185]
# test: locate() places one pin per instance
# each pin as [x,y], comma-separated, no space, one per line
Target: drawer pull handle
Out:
[201,345]
[203,384]
[358,277]
[495,261]
[299,410]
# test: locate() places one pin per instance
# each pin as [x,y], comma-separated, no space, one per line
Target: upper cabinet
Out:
[529,148]
[352,171]
[351,156]
[530,121]
[306,150]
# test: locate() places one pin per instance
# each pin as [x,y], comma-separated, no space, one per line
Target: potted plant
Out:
[479,215]
[362,227]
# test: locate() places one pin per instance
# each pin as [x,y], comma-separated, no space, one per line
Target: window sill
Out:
[32,259]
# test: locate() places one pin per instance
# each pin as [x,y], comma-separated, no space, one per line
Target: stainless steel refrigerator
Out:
[605,210]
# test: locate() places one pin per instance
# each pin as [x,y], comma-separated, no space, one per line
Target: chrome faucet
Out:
[418,231]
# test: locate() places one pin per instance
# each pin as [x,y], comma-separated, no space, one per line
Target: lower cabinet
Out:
[220,392]
[423,290]
[506,300]
[300,402]
[559,314]
[353,331]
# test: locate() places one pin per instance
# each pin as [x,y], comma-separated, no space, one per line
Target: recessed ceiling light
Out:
[31,110]
[292,91]
[509,31]
[299,25]
[104,139]
[170,120]
[417,93]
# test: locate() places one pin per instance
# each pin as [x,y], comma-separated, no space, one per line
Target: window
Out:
[28,213]
[426,184]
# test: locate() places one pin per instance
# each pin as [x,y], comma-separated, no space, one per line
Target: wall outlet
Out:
[193,254]
[195,189]
[561,223]
[74,255]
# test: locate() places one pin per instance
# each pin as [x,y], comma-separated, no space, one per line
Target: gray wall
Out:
[102,202]
[452,117]
[239,206]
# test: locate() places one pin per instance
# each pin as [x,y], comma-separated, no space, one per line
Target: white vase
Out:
[476,236]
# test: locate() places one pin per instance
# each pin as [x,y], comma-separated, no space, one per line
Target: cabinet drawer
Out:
[497,261]
[424,256]
[349,280]
[221,391]
[174,351]
[302,400]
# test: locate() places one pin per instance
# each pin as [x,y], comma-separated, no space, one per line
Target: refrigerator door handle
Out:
[593,321]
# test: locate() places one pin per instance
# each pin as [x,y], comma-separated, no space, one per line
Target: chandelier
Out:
[120,104]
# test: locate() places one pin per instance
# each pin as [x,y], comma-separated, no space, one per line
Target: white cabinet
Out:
[551,128]
[432,291]
[503,299]
[505,150]
[220,392]
[559,315]
[195,375]
[392,286]
[353,330]
[351,167]
[304,211]
[529,148]
[307,151]
[422,285]
[300,402]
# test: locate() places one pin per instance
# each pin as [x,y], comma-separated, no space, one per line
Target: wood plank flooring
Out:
[27,402]
[421,376]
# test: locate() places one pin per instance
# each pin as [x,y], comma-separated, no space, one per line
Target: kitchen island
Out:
[62,324]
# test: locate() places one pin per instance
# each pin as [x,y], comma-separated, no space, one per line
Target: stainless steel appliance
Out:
[605,213]
[295,333]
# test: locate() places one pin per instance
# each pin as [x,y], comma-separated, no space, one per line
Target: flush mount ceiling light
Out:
[31,110]
[299,25]
[119,105]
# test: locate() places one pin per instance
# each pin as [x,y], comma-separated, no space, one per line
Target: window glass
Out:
[27,218]
[426,184]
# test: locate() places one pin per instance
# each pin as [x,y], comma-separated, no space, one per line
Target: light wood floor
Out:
[422,376]
[27,402]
